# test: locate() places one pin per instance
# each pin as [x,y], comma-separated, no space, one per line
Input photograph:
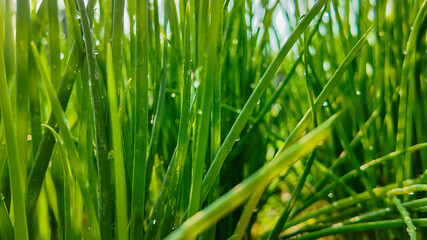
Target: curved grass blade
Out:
[251,103]
[41,162]
[6,228]
[358,227]
[236,196]
[71,148]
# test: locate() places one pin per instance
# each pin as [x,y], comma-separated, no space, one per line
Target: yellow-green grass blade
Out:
[71,148]
[236,196]
[119,168]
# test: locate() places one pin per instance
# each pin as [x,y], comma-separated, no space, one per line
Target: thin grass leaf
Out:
[119,168]
[202,220]
[71,148]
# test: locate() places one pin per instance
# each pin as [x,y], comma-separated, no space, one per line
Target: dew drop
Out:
[173,95]
[61,56]
[200,112]
[238,139]
[196,84]
[330,195]
[325,104]
[77,16]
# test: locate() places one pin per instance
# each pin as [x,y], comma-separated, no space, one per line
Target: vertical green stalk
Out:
[41,162]
[16,180]
[141,122]
[168,197]
[22,107]
[54,44]
[203,109]
[77,168]
[119,168]
[105,206]
[404,108]
[250,105]
[116,42]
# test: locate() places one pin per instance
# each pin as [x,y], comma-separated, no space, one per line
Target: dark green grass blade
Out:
[105,209]
[254,98]
[22,107]
[14,163]
[141,122]
[76,167]
[232,199]
[41,162]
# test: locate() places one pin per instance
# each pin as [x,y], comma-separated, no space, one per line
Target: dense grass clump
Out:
[232,119]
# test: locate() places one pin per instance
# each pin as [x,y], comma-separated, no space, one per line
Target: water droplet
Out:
[330,195]
[196,84]
[258,102]
[88,228]
[77,15]
[238,139]
[412,193]
[358,93]
[325,104]
[239,110]
[173,95]
[154,221]
[96,52]
[260,25]
[61,56]
[200,112]
[326,65]
[235,41]
[96,42]
[90,83]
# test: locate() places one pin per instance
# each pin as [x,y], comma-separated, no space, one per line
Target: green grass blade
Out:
[22,107]
[254,98]
[6,228]
[232,199]
[119,168]
[71,148]
[54,44]
[41,162]
[101,139]
[203,109]
[15,167]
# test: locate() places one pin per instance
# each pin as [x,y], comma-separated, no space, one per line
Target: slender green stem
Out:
[41,162]
[250,105]
[13,157]
[105,209]
[141,122]
[119,168]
